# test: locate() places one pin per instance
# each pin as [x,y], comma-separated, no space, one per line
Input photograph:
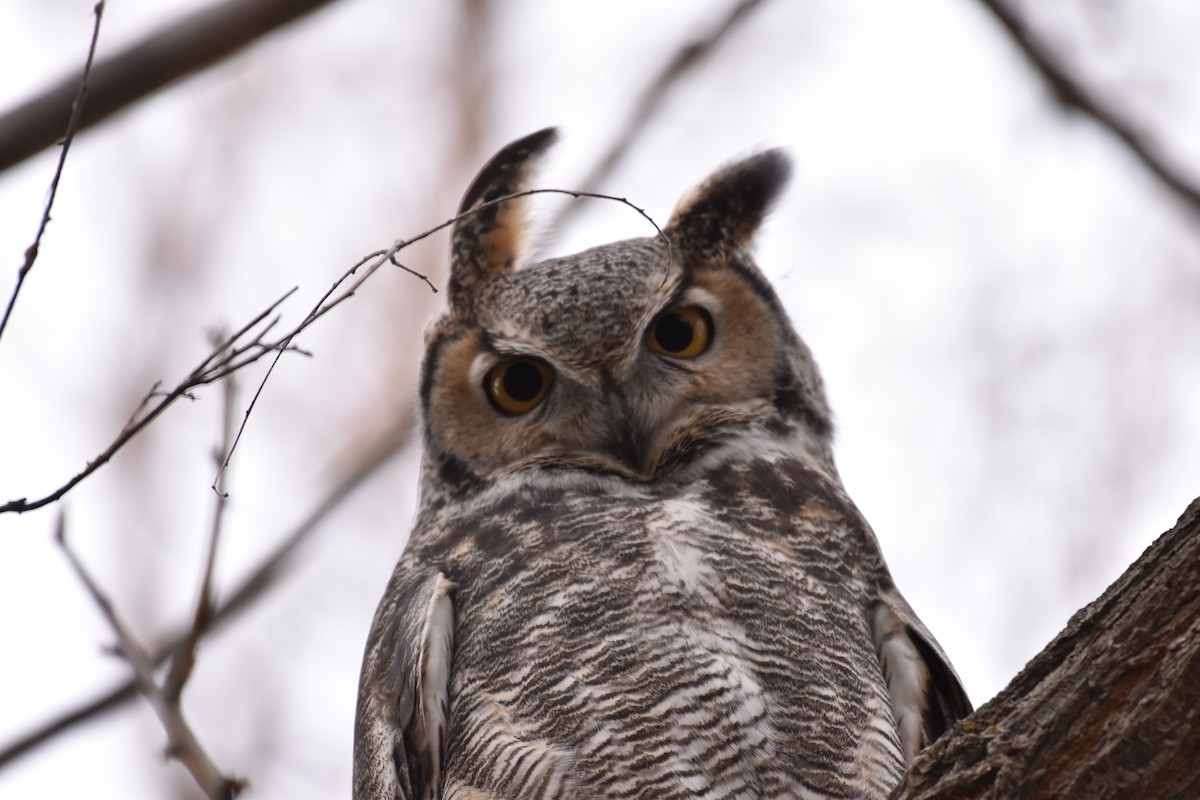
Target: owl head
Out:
[635,359]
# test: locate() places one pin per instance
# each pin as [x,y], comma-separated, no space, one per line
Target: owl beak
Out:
[624,446]
[624,435]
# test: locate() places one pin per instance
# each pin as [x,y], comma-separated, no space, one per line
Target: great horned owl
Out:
[634,571]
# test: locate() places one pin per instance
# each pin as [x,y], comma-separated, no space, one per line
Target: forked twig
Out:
[182,744]
[218,364]
[31,252]
[233,355]
[374,260]
[252,588]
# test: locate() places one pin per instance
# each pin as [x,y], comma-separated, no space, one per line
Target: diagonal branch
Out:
[1072,93]
[374,261]
[255,586]
[230,356]
[72,125]
[1110,709]
[685,60]
[193,43]
[182,744]
[220,363]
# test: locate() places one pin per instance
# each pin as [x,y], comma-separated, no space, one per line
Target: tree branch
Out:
[182,743]
[1072,93]
[1110,709]
[184,660]
[374,261]
[73,122]
[230,356]
[220,363]
[174,51]
[255,586]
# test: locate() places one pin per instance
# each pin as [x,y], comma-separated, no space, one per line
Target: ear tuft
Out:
[726,210]
[486,244]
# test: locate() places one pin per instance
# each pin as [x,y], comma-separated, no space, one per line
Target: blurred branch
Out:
[685,60]
[73,121]
[193,43]
[248,592]
[184,660]
[182,744]
[1074,94]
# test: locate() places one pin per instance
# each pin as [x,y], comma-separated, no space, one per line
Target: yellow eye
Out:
[516,387]
[681,333]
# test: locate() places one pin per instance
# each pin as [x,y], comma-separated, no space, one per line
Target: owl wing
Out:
[927,696]
[403,694]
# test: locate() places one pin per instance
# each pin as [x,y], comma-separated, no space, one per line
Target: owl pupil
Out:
[674,333]
[522,381]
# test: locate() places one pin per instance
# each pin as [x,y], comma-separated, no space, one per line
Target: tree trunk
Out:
[1110,709]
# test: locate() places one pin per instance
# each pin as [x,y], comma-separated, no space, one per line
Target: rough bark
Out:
[1110,709]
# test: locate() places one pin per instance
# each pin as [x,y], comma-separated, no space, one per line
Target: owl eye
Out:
[516,387]
[681,333]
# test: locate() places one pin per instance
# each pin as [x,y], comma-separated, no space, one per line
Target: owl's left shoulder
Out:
[402,717]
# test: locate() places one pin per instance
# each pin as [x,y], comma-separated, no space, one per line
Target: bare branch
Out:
[184,660]
[372,263]
[1072,93]
[73,122]
[413,272]
[1109,709]
[182,744]
[213,367]
[685,60]
[174,51]
[230,356]
[252,589]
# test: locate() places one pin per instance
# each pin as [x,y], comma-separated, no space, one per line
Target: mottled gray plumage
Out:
[642,577]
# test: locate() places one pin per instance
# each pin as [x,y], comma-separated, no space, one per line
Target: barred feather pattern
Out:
[640,578]
[702,637]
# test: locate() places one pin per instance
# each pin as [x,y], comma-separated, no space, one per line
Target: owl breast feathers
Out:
[635,572]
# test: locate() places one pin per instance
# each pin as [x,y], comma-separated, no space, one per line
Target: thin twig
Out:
[182,744]
[151,393]
[413,272]
[184,660]
[686,59]
[212,368]
[31,252]
[377,259]
[252,589]
[316,313]
[199,40]
[230,356]
[1072,93]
